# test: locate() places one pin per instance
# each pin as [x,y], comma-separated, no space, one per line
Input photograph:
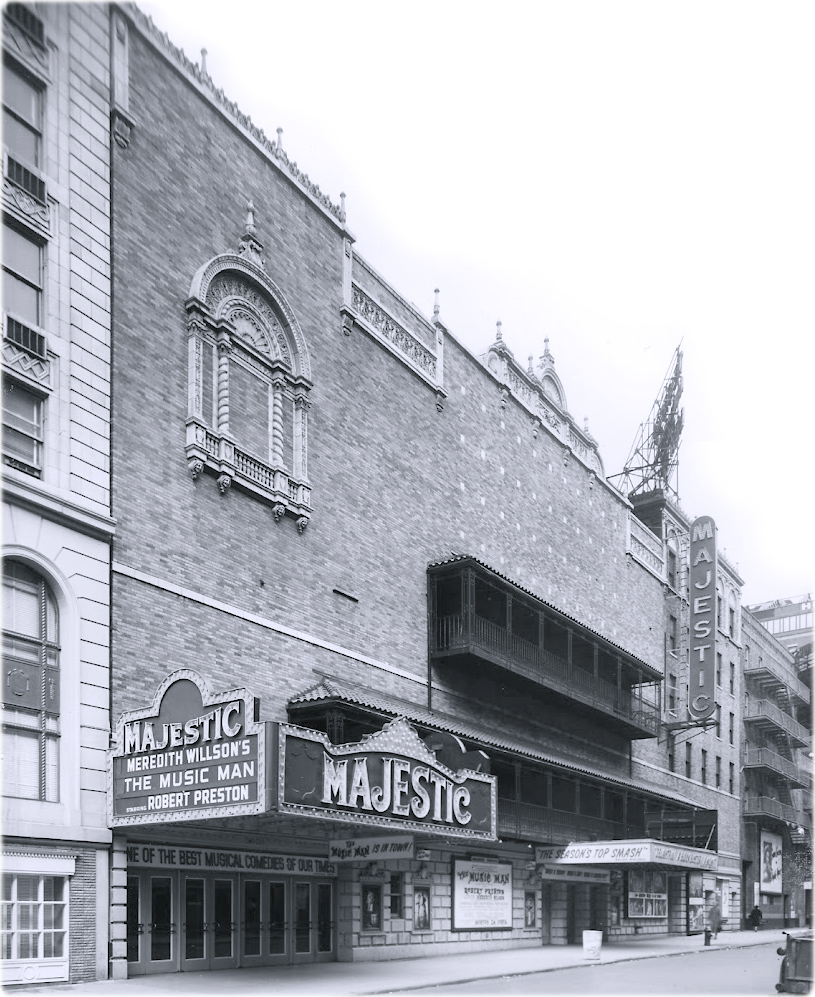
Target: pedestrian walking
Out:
[755,917]
[715,918]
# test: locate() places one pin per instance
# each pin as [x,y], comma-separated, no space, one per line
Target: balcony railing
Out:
[548,669]
[763,806]
[765,758]
[767,668]
[531,822]
[763,709]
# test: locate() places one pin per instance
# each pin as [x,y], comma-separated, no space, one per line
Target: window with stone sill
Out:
[249,383]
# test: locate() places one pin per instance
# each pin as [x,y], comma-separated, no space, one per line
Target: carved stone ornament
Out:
[302,523]
[278,511]
[224,482]
[439,401]
[121,127]
[567,453]
[196,467]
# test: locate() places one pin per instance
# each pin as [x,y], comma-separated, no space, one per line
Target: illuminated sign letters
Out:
[702,658]
[390,778]
[189,755]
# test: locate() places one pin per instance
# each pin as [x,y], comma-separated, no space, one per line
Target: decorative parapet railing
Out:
[768,667]
[763,709]
[217,453]
[645,548]
[529,391]
[392,334]
[765,758]
[204,82]
[764,806]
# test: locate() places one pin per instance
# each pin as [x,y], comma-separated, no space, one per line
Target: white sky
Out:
[618,176]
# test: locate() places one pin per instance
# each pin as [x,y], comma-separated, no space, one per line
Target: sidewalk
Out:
[347,978]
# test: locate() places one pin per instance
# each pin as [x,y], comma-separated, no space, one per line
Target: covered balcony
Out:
[478,615]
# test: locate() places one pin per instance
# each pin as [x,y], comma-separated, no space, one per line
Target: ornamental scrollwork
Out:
[401,340]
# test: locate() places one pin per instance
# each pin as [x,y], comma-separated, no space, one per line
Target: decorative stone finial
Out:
[531,366]
[342,207]
[436,304]
[547,360]
[585,424]
[250,248]
[498,334]
[203,62]
[279,139]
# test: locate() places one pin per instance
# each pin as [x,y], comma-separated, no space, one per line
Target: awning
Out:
[627,852]
[332,690]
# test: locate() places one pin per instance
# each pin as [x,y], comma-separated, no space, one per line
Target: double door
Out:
[192,921]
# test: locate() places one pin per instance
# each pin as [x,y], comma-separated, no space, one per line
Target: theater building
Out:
[365,656]
[387,669]
[56,492]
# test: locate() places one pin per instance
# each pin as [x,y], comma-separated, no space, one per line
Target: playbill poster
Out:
[770,862]
[482,895]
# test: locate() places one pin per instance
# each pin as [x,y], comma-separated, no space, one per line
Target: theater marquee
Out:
[190,754]
[389,779]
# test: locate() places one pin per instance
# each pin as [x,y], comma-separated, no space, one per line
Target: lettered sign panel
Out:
[390,779]
[482,896]
[702,657]
[191,754]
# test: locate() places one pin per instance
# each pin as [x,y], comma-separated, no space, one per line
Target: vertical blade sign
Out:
[702,674]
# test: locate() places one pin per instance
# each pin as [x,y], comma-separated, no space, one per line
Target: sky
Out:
[619,176]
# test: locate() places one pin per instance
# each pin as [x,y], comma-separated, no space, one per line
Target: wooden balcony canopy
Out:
[477,613]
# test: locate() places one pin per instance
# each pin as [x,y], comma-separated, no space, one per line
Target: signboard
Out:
[702,655]
[482,896]
[647,893]
[203,859]
[389,779]
[573,874]
[696,903]
[189,755]
[771,853]
[640,851]
[370,849]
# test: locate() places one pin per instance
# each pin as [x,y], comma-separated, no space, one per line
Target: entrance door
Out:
[209,922]
[160,945]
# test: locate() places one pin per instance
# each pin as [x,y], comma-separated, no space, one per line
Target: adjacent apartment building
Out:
[57,526]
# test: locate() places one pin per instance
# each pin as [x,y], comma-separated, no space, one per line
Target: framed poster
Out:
[530,909]
[647,893]
[421,908]
[696,903]
[770,862]
[482,896]
[371,908]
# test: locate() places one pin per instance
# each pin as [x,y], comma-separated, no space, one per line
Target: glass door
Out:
[223,924]
[324,924]
[208,927]
[303,947]
[194,948]
[161,942]
[277,921]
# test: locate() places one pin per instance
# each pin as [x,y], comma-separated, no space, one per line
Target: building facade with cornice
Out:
[56,492]
[395,670]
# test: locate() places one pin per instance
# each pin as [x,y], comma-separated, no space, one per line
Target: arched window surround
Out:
[239,324]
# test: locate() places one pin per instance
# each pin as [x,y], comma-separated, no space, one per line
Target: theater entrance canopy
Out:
[627,853]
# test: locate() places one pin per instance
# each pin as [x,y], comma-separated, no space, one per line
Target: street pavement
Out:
[387,976]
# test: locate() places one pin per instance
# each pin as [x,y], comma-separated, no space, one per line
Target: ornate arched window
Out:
[30,685]
[249,382]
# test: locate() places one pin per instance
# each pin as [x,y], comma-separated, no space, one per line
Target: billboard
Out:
[482,896]
[771,854]
[702,655]
[389,779]
[190,754]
